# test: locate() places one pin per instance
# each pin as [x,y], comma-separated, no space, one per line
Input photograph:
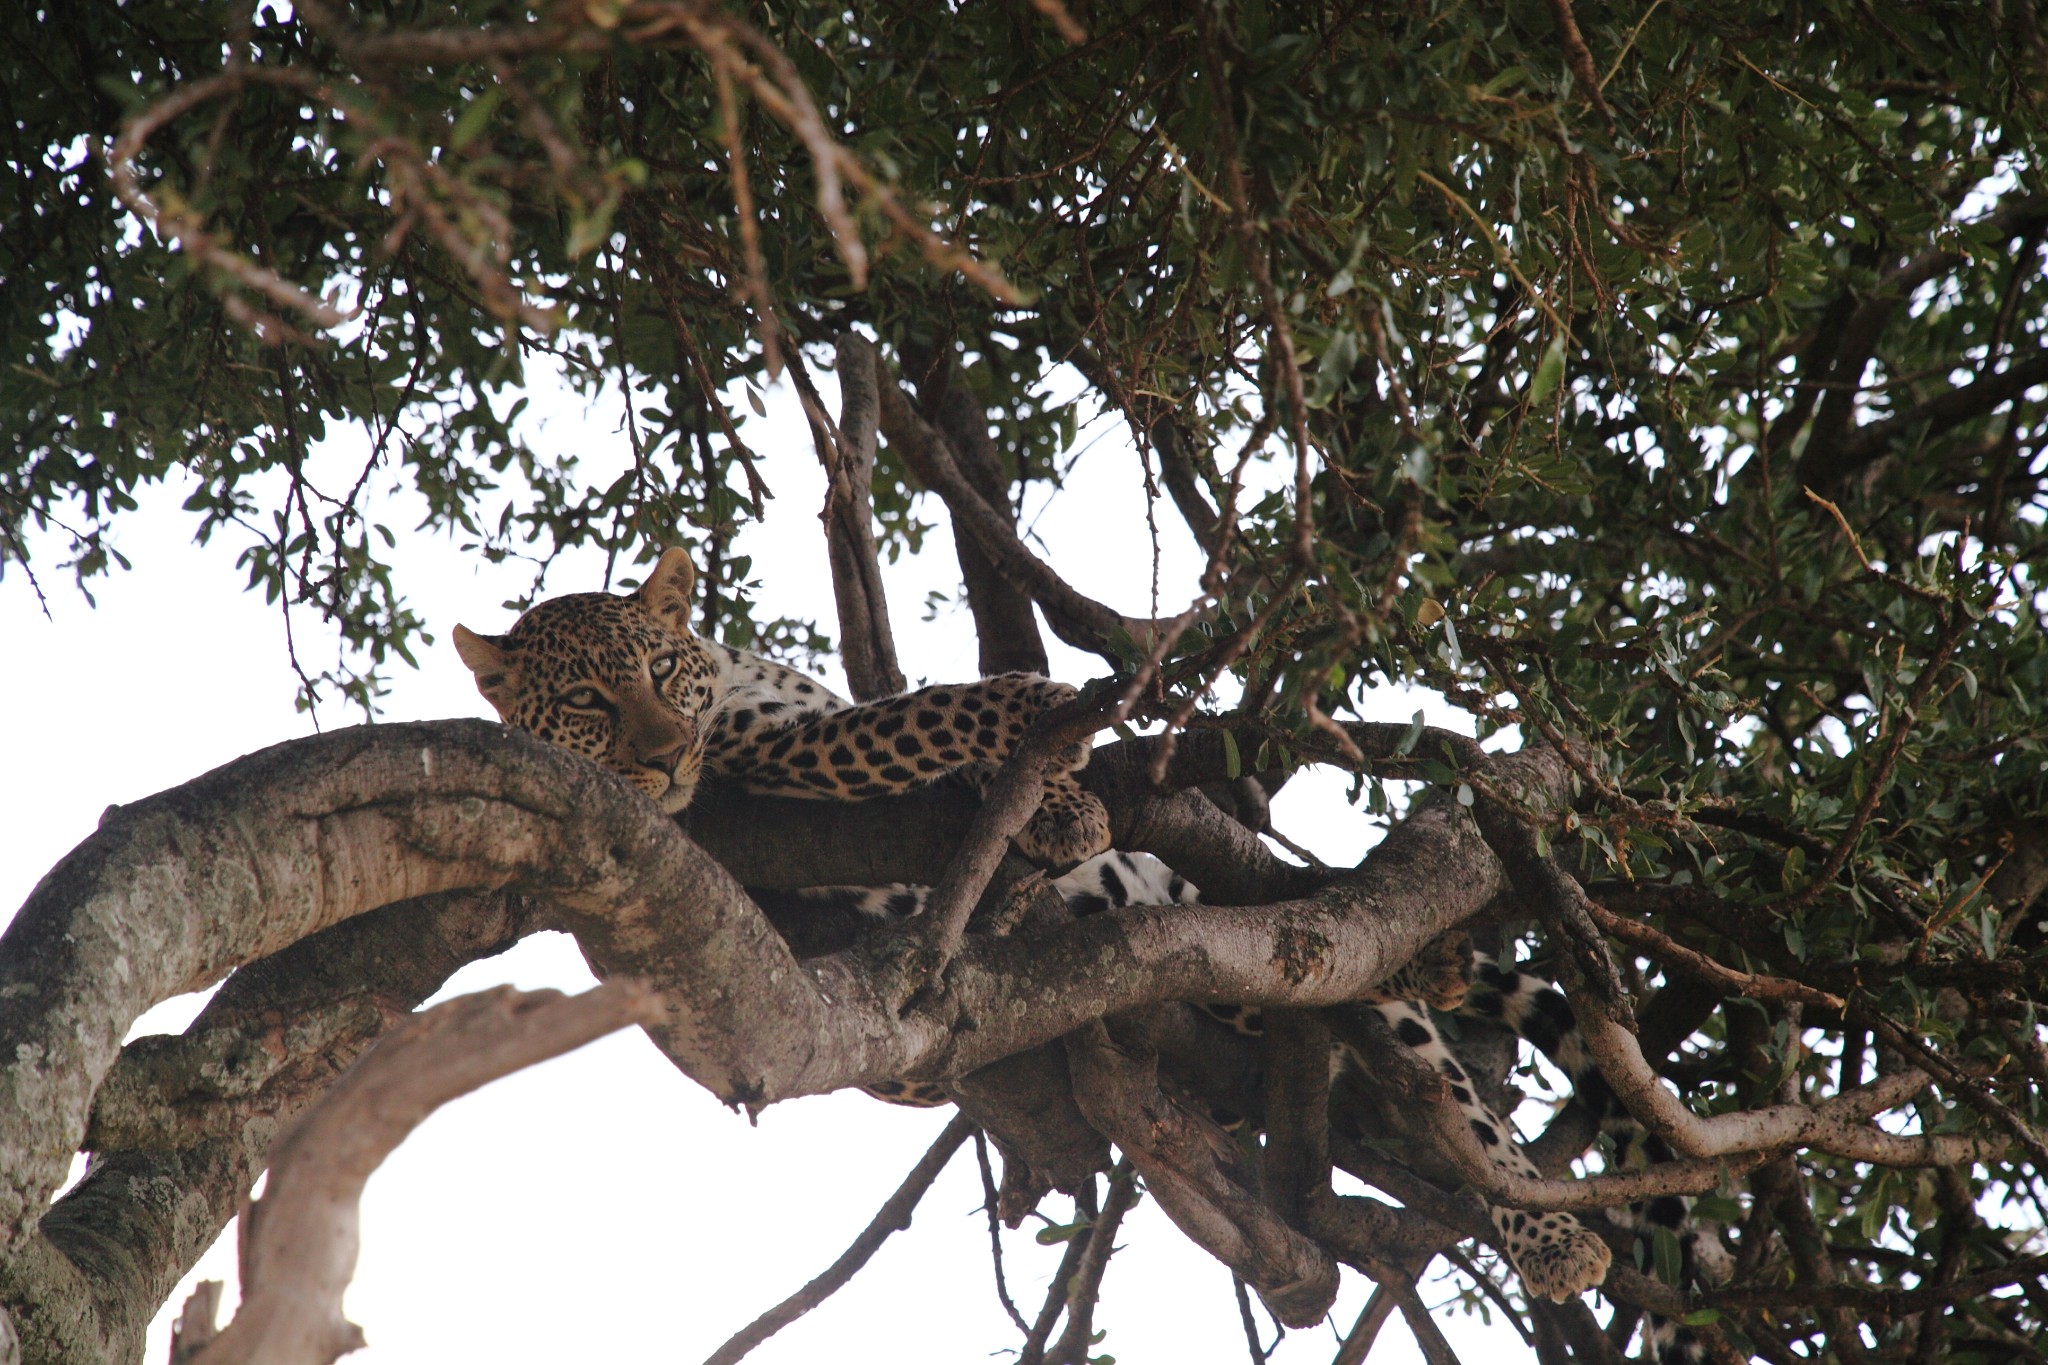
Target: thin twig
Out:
[1259,1354]
[1581,59]
[1435,1349]
[892,1217]
[1086,1286]
[991,1199]
[1751,984]
[754,286]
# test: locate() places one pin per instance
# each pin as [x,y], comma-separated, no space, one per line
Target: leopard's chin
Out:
[677,797]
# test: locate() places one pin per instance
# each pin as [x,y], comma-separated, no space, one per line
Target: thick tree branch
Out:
[238,864]
[200,1110]
[300,1239]
[1004,627]
[1026,1103]
[1947,409]
[1295,1165]
[866,645]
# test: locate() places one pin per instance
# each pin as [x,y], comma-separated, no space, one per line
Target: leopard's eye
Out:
[583,699]
[662,667]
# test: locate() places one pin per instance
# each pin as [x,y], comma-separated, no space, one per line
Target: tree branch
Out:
[891,1218]
[1190,1166]
[300,1239]
[1078,619]
[1084,1287]
[866,645]
[1947,409]
[1004,627]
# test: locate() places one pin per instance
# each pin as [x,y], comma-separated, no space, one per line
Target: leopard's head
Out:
[623,680]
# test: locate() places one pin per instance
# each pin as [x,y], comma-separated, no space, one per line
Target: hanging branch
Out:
[1191,1168]
[891,1218]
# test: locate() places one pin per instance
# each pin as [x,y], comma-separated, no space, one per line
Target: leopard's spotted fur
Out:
[625,681]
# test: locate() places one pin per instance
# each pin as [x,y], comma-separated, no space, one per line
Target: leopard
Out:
[624,680]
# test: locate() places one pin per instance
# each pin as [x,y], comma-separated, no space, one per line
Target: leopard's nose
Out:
[666,759]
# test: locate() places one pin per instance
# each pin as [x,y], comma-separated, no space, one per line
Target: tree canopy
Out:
[1664,383]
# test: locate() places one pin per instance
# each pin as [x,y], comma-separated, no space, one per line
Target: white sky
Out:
[602,1206]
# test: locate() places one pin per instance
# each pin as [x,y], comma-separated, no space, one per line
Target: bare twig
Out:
[992,1203]
[891,1218]
[1085,1287]
[1259,1354]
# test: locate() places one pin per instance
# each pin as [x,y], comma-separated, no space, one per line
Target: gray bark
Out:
[180,889]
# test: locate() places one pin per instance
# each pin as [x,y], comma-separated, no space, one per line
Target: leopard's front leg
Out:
[882,748]
[1071,825]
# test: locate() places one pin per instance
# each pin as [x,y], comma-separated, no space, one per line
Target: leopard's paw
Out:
[1558,1257]
[1442,972]
[914,1094]
[1071,826]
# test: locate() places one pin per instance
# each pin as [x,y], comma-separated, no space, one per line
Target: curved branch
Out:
[1839,1125]
[299,1241]
[1074,616]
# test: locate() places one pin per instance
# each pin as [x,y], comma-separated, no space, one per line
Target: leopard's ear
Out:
[487,657]
[666,592]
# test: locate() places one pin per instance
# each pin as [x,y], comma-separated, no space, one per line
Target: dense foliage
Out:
[1662,377]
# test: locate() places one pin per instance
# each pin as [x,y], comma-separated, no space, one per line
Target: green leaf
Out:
[1549,370]
[474,116]
[1233,763]
[1410,737]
